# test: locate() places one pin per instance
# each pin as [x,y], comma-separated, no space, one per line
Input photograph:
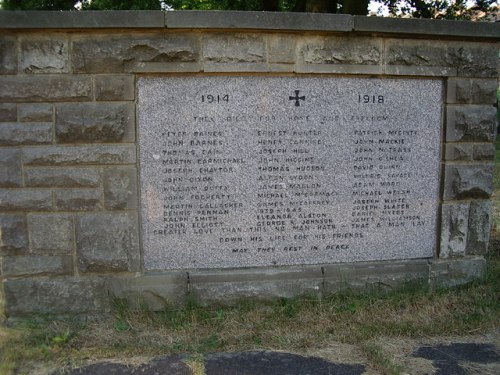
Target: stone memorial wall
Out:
[151,156]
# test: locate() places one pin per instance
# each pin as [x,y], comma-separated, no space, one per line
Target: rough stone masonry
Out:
[71,233]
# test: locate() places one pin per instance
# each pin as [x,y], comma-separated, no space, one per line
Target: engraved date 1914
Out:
[215,98]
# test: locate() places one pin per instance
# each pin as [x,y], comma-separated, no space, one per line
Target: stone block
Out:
[472,91]
[479,228]
[25,200]
[51,233]
[233,50]
[8,112]
[80,155]
[369,275]
[258,20]
[478,59]
[107,242]
[340,50]
[114,87]
[28,133]
[95,122]
[158,292]
[27,265]
[120,188]
[62,177]
[62,295]
[466,59]
[8,54]
[78,199]
[10,168]
[44,54]
[470,123]
[447,273]
[484,151]
[458,151]
[89,19]
[425,27]
[263,284]
[118,53]
[45,88]
[281,48]
[404,52]
[35,112]
[454,229]
[468,181]
[13,234]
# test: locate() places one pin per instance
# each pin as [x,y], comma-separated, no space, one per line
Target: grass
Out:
[297,325]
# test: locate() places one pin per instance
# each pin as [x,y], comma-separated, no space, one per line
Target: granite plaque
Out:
[268,171]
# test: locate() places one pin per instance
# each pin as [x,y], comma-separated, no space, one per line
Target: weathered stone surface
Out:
[478,60]
[155,291]
[78,200]
[340,50]
[483,151]
[383,275]
[120,188]
[258,20]
[458,151]
[16,134]
[25,200]
[35,112]
[107,242]
[479,228]
[229,286]
[118,53]
[234,49]
[8,54]
[44,54]
[80,155]
[468,181]
[470,123]
[64,295]
[466,58]
[425,27]
[13,234]
[51,233]
[62,177]
[472,91]
[8,112]
[95,122]
[244,177]
[37,265]
[10,168]
[281,48]
[114,87]
[454,229]
[89,19]
[452,272]
[45,88]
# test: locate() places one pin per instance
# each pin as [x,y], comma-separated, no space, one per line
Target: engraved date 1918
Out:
[215,98]
[373,99]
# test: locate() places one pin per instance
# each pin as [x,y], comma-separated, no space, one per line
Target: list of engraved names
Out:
[264,171]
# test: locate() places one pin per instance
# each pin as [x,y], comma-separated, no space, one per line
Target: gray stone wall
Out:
[70,236]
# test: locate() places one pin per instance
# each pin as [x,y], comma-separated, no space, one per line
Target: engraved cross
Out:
[297,98]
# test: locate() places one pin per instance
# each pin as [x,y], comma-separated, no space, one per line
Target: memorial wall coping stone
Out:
[264,171]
